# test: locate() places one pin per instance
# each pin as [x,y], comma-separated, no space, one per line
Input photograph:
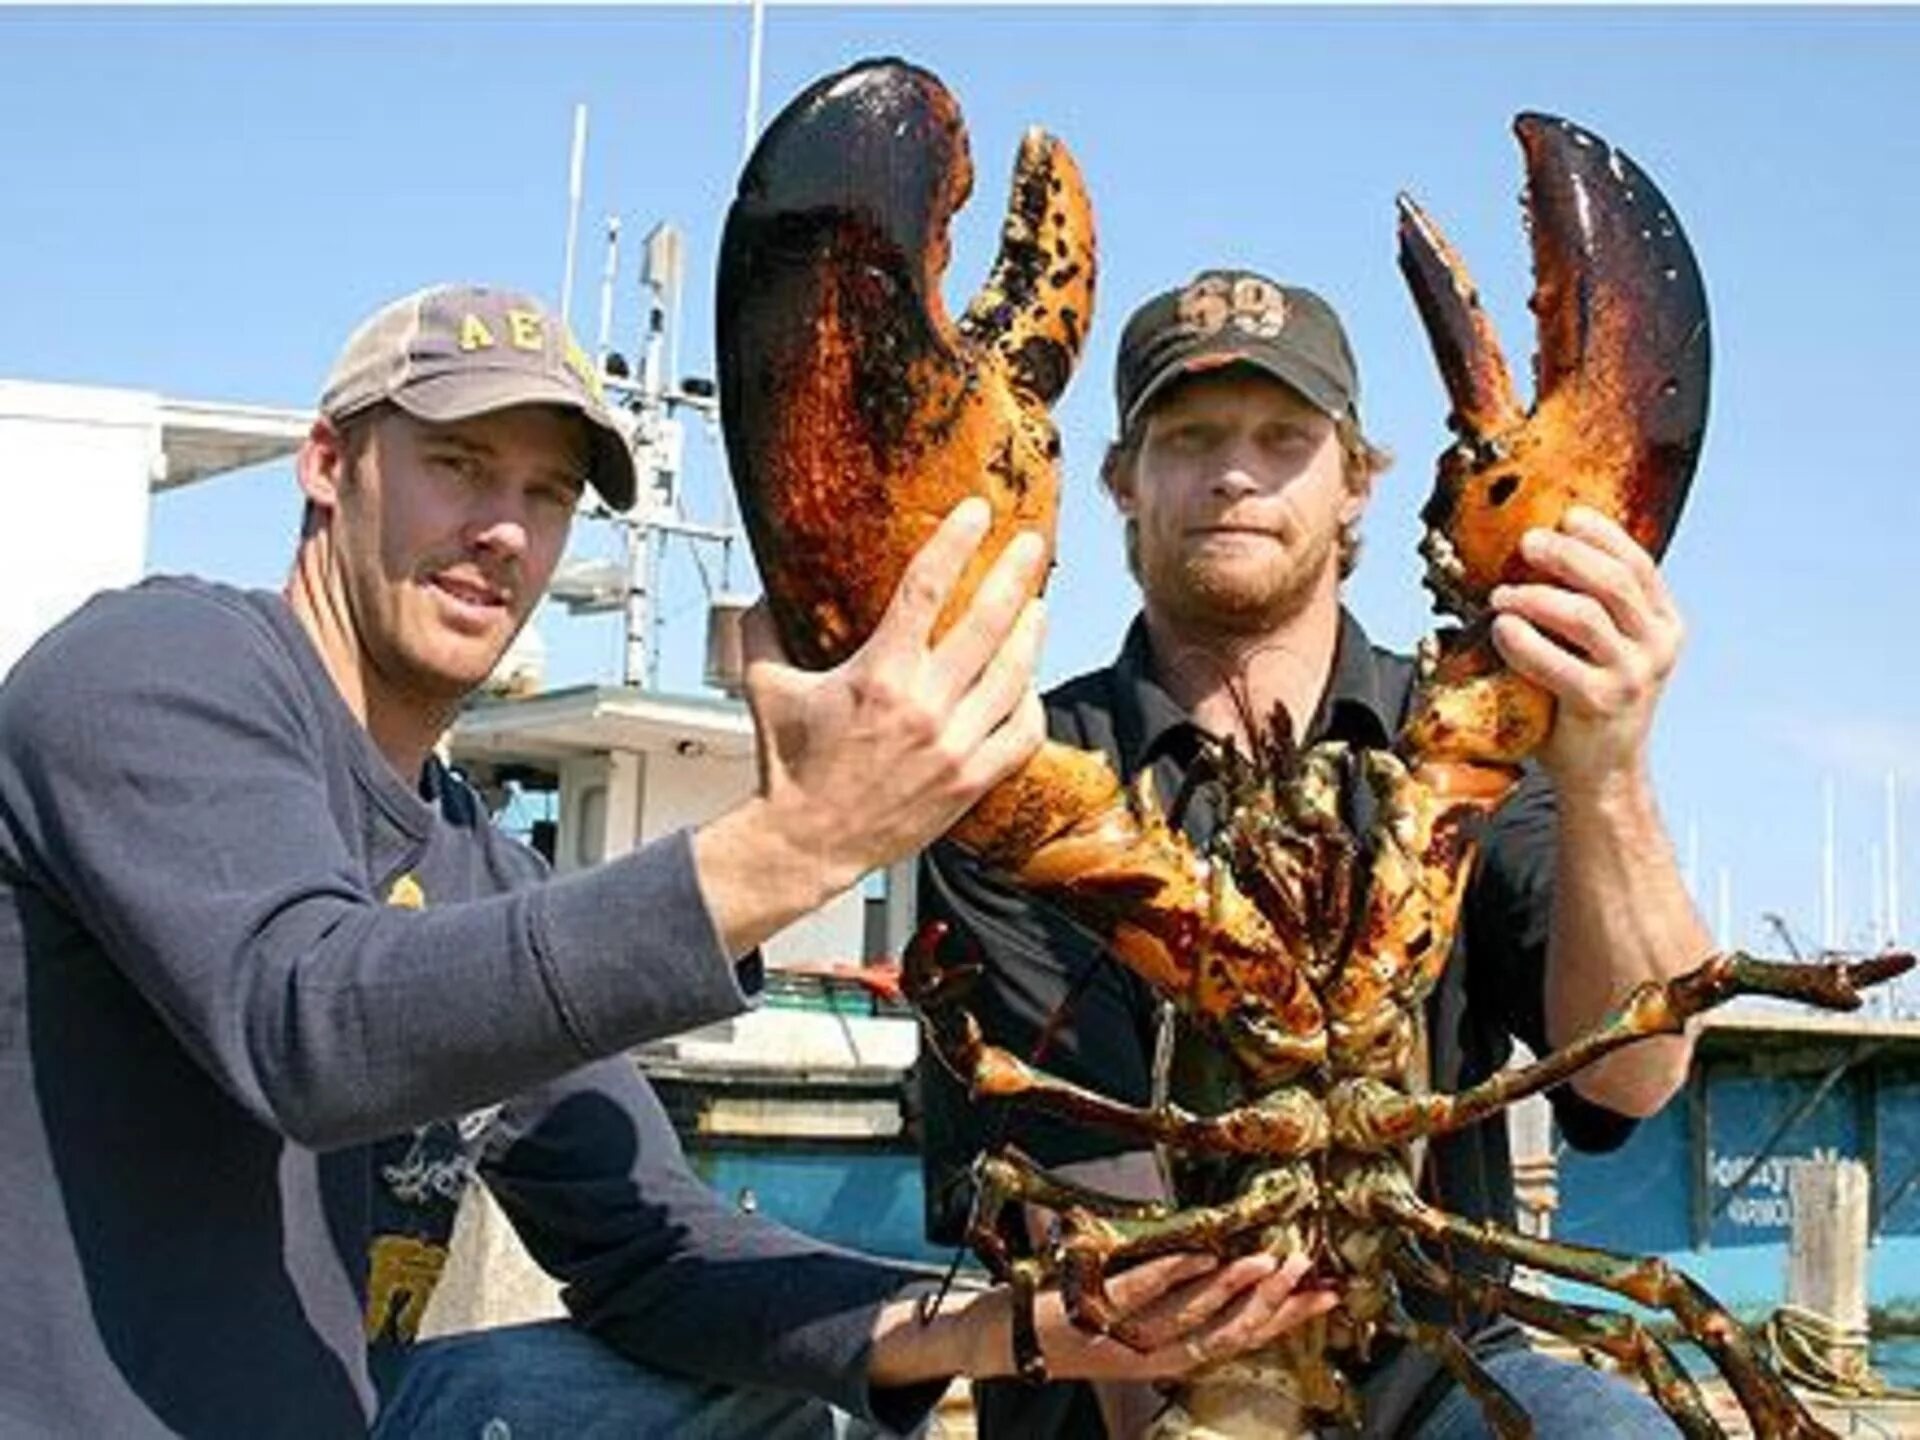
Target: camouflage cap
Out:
[452,352]
[1235,317]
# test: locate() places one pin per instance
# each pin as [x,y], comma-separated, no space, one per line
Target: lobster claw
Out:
[856,413]
[1620,378]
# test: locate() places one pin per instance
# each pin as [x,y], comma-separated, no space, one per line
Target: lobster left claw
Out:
[1620,379]
[856,413]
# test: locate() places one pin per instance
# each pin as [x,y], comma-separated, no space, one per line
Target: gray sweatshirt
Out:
[253,991]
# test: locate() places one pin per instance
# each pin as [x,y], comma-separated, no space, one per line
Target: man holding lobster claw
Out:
[1241,473]
[274,990]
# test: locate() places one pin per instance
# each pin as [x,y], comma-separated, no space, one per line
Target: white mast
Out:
[1829,900]
[1723,930]
[575,171]
[753,79]
[1877,929]
[603,346]
[1893,859]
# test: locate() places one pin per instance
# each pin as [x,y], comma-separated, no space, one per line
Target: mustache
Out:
[1236,527]
[466,573]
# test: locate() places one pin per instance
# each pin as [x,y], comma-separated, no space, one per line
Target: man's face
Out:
[445,536]
[1238,495]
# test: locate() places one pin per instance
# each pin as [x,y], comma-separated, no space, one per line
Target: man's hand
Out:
[865,763]
[1189,1309]
[1601,632]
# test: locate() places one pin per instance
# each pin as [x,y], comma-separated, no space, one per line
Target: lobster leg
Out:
[1099,1230]
[1503,1413]
[1776,1412]
[1368,1115]
[1010,1177]
[1617,1335]
[1091,1245]
[1287,1123]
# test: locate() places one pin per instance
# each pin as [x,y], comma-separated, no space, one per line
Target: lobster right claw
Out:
[1620,380]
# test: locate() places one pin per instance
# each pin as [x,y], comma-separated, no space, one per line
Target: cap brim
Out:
[1307,380]
[442,399]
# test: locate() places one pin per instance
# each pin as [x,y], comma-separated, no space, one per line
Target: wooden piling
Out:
[1827,1267]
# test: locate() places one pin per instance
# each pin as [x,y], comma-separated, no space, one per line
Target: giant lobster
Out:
[857,413]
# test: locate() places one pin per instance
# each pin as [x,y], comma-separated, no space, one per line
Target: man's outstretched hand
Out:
[865,763]
[1185,1310]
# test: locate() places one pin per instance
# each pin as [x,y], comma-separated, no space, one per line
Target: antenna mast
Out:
[653,394]
[753,79]
[1893,859]
[603,344]
[1829,898]
[574,172]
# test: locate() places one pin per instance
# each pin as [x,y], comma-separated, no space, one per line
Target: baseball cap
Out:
[1236,317]
[451,352]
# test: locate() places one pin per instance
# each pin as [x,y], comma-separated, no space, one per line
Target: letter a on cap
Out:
[474,334]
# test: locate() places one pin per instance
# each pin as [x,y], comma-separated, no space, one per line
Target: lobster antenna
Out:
[1231,676]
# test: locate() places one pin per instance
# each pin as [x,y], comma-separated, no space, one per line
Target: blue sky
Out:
[204,202]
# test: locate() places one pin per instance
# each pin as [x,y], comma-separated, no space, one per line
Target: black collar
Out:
[1148,723]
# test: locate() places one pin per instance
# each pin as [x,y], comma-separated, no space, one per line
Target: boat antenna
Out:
[1829,887]
[603,349]
[753,78]
[1893,859]
[575,168]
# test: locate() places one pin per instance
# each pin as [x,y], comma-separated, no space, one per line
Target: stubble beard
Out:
[423,663]
[1205,598]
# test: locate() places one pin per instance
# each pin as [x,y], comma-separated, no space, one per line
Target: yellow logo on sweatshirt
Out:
[401,1280]
[407,894]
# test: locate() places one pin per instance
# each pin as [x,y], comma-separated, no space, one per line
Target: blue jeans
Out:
[551,1381]
[1567,1402]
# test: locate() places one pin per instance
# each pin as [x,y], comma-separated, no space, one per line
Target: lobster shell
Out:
[856,413]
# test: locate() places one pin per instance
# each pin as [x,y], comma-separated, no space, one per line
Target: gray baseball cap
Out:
[452,352]
[1236,317]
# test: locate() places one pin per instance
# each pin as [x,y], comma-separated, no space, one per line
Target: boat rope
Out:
[1817,1352]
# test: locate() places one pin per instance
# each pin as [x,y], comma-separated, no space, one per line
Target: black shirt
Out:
[1491,992]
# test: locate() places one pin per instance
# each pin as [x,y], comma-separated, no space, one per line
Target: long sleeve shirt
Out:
[265,1007]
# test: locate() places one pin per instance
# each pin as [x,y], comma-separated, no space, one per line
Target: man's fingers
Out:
[1182,1310]
[1554,668]
[1007,678]
[1577,620]
[1598,528]
[766,663]
[982,631]
[1148,1281]
[1009,747]
[1298,1308]
[759,636]
[931,575]
[1288,1304]
[1578,566]
[1260,1314]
